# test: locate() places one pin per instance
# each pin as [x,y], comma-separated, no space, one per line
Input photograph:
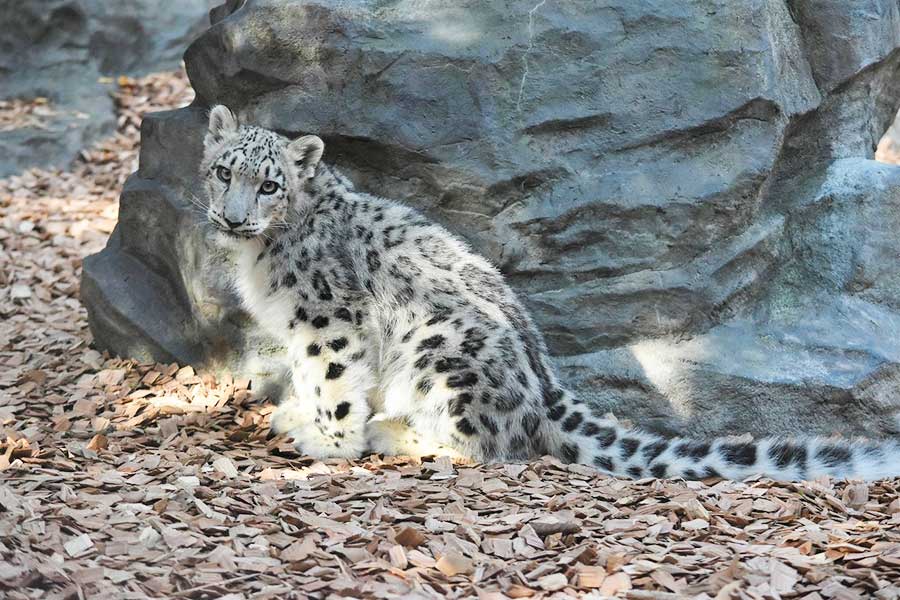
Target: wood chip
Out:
[223,464]
[553,583]
[454,564]
[79,544]
[410,537]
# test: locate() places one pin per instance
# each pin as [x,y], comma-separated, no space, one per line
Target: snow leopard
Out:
[404,341]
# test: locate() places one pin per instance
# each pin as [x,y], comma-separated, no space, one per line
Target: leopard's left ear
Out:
[222,124]
[306,152]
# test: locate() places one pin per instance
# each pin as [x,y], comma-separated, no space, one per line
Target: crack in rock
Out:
[527,52]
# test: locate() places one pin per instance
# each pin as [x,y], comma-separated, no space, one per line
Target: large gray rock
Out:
[681,192]
[60,49]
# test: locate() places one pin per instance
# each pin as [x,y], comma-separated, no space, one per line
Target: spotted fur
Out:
[404,341]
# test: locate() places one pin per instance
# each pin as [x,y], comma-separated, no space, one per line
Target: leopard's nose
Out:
[234,224]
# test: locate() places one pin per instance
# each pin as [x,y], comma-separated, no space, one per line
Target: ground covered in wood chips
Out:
[122,480]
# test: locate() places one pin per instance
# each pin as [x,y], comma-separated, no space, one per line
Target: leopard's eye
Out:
[268,187]
[224,174]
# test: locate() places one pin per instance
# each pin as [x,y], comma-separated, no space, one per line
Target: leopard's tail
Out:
[612,448]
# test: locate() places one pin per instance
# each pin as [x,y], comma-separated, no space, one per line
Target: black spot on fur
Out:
[605,463]
[692,449]
[710,473]
[430,343]
[422,362]
[652,450]
[464,427]
[320,284]
[302,263]
[552,396]
[344,315]
[404,295]
[590,429]
[508,400]
[569,453]
[301,315]
[629,447]
[334,371]
[833,456]
[462,380]
[424,385]
[739,454]
[572,421]
[489,424]
[691,474]
[342,410]
[783,454]
[289,280]
[313,350]
[557,412]
[320,322]
[450,363]
[459,403]
[338,344]
[530,423]
[390,239]
[607,437]
[659,470]
[635,471]
[439,317]
[518,447]
[373,260]
[473,342]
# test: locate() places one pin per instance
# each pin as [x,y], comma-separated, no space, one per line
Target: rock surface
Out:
[61,50]
[683,193]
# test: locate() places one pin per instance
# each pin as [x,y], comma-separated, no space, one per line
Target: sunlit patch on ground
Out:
[123,480]
[888,150]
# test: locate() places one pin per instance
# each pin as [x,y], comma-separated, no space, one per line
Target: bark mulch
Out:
[125,480]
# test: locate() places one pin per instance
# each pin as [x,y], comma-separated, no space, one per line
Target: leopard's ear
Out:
[305,153]
[222,125]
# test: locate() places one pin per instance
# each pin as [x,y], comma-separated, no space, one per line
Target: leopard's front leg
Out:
[327,413]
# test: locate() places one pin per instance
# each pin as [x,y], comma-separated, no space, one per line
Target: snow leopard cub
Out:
[404,341]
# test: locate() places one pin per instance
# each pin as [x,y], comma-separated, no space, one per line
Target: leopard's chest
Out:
[271,305]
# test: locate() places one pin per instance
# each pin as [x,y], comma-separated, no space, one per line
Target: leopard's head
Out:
[251,174]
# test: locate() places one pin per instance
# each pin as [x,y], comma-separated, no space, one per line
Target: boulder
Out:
[66,51]
[682,193]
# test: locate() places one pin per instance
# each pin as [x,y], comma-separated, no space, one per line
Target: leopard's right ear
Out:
[222,125]
[305,153]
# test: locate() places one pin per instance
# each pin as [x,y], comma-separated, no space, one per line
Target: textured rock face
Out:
[60,49]
[681,192]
